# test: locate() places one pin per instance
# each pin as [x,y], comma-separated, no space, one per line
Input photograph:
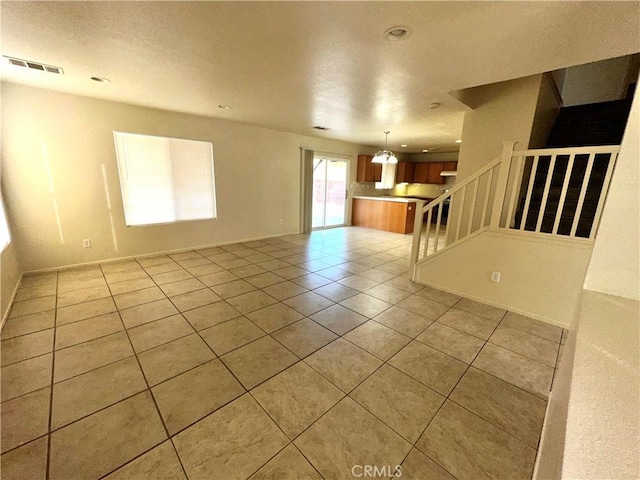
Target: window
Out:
[5,238]
[165,180]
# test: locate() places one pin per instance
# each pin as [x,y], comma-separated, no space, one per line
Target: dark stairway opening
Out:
[577,126]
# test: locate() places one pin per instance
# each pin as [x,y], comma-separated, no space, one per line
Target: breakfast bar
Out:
[391,214]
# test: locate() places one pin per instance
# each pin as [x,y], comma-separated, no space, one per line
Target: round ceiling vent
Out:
[397,33]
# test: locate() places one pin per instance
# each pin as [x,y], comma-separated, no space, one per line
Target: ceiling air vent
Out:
[318,127]
[35,65]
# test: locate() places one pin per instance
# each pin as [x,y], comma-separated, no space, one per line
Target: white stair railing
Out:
[546,192]
[471,199]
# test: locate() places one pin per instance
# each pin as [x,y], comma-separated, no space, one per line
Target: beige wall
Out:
[10,273]
[540,278]
[596,82]
[501,112]
[615,263]
[547,108]
[603,419]
[57,147]
[550,452]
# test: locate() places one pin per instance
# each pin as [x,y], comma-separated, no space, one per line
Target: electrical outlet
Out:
[495,277]
[281,221]
[86,243]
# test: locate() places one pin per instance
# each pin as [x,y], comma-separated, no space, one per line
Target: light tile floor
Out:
[300,357]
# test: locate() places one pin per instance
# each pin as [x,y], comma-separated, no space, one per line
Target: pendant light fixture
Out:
[385,156]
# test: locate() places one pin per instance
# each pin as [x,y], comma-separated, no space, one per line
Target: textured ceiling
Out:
[293,65]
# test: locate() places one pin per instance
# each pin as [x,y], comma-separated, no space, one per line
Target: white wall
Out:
[540,278]
[603,420]
[57,146]
[596,82]
[615,263]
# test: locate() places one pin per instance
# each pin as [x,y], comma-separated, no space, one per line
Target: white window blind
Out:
[5,238]
[165,180]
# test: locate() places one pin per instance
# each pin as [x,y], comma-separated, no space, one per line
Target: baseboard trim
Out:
[5,314]
[153,254]
[535,316]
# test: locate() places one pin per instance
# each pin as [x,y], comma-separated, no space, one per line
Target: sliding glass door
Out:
[329,192]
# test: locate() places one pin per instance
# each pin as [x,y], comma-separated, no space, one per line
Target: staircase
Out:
[590,125]
[571,183]
[577,126]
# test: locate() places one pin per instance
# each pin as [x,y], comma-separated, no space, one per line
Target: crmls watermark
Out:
[369,471]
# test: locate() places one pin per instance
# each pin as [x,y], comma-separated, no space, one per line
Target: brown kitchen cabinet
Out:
[450,166]
[421,173]
[433,174]
[390,216]
[368,172]
[404,172]
[429,172]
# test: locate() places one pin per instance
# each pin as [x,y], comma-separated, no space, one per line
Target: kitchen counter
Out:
[391,214]
[387,198]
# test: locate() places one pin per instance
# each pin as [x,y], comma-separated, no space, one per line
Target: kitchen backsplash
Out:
[403,189]
[422,189]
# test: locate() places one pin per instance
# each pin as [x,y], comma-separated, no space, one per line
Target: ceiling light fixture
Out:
[425,150]
[224,107]
[100,79]
[434,105]
[385,156]
[403,146]
[458,141]
[397,33]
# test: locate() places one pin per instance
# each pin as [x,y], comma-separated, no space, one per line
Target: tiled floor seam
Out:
[53,372]
[523,354]
[447,397]
[144,376]
[289,441]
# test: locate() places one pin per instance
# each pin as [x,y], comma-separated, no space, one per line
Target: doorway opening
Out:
[329,205]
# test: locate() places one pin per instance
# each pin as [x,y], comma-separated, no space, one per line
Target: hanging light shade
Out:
[384,156]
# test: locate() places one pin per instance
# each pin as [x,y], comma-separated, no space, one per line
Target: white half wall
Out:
[615,263]
[540,278]
[62,186]
[603,419]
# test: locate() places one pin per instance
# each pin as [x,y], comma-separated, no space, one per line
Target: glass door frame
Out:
[347,162]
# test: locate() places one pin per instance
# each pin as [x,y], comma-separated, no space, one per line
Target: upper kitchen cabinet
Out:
[404,172]
[450,166]
[434,171]
[429,172]
[367,171]
[421,173]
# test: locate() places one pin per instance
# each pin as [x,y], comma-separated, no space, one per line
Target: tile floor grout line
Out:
[53,371]
[446,397]
[148,389]
[144,376]
[522,354]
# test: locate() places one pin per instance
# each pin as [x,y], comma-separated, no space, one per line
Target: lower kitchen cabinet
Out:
[390,216]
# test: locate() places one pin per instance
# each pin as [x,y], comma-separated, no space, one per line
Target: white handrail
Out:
[499,212]
[460,186]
